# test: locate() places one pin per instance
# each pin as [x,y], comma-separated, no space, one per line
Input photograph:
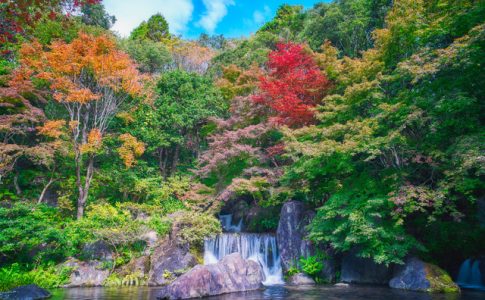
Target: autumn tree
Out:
[91,78]
[18,118]
[17,17]
[191,56]
[293,87]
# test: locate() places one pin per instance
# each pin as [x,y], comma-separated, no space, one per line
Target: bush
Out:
[194,227]
[45,277]
[32,233]
[311,265]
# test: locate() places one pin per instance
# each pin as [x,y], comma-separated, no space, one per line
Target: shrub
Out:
[194,227]
[32,233]
[45,277]
[311,265]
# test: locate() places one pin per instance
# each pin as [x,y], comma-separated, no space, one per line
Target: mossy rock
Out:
[417,275]
[440,281]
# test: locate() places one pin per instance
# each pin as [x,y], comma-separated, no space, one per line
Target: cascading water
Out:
[469,275]
[261,248]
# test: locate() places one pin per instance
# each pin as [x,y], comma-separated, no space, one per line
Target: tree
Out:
[394,158]
[348,24]
[293,87]
[19,114]
[172,124]
[191,56]
[17,17]
[155,29]
[91,79]
[216,42]
[96,15]
[151,57]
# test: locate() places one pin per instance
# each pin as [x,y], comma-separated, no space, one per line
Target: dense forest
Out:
[369,112]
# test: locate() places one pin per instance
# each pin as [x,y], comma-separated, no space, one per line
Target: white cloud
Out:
[216,10]
[259,17]
[130,14]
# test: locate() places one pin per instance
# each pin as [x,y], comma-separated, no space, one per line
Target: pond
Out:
[325,292]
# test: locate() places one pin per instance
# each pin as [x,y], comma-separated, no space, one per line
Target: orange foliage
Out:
[68,66]
[130,149]
[94,143]
[52,129]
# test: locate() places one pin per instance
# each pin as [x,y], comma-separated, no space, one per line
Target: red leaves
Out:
[18,16]
[293,86]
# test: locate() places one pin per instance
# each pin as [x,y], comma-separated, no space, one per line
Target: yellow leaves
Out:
[52,129]
[73,125]
[94,142]
[127,117]
[130,149]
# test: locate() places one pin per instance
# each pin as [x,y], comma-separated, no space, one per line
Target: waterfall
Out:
[261,248]
[469,275]
[227,224]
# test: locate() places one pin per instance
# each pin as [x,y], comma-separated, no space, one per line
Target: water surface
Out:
[325,292]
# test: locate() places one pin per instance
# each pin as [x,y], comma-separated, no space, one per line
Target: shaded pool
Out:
[325,292]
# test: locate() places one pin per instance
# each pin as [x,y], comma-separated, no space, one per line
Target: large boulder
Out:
[292,244]
[291,233]
[98,250]
[139,266]
[300,279]
[86,273]
[417,275]
[169,259]
[230,274]
[26,292]
[363,270]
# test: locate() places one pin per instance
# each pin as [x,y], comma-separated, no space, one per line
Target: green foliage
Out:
[47,30]
[155,29]
[292,271]
[346,24]
[151,57]
[388,157]
[161,225]
[170,126]
[45,277]
[288,18]
[194,227]
[266,220]
[96,15]
[32,233]
[359,217]
[311,265]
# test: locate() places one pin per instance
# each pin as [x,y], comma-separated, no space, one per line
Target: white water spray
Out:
[261,248]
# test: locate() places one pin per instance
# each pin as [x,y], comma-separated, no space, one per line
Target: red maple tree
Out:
[293,86]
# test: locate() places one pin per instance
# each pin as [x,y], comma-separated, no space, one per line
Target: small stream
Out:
[278,292]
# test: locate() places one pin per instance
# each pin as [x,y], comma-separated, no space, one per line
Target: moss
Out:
[440,281]
[198,254]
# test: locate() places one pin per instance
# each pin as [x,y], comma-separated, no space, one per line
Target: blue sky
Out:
[189,18]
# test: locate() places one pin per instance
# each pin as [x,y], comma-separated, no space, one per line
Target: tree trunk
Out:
[165,159]
[161,164]
[175,159]
[84,189]
[44,190]
[18,190]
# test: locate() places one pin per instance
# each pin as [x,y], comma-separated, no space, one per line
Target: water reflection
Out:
[274,292]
